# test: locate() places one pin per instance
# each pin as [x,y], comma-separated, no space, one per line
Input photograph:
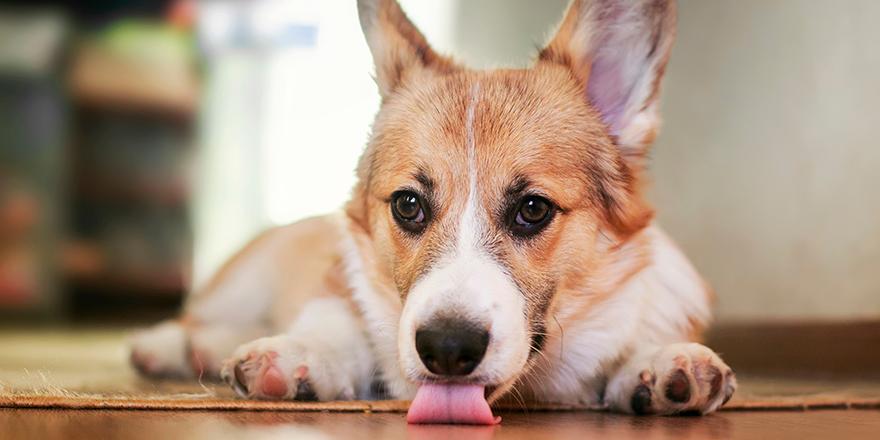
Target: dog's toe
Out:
[692,378]
[273,382]
[255,374]
[640,402]
[284,368]
[237,380]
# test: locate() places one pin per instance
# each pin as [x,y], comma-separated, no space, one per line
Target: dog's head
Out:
[485,194]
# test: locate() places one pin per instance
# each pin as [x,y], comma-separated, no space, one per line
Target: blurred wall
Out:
[289,100]
[503,33]
[766,169]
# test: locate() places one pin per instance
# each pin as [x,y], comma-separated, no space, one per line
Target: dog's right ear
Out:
[618,50]
[399,49]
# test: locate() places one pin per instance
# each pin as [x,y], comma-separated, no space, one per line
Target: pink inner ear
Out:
[608,91]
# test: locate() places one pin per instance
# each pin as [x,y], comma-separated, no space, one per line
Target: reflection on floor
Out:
[150,425]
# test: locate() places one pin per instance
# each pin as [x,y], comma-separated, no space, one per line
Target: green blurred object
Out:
[150,41]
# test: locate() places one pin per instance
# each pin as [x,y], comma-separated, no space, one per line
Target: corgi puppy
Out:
[498,242]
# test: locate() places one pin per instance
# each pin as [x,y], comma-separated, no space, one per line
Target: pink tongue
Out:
[464,404]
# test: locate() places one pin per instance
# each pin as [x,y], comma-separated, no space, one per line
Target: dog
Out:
[497,243]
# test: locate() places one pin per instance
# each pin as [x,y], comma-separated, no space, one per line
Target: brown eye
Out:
[532,214]
[533,210]
[406,206]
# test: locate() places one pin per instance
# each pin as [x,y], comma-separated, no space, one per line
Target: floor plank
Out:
[21,424]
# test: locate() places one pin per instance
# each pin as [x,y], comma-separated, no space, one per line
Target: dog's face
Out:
[486,195]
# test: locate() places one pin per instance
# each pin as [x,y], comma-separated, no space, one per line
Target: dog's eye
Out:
[531,215]
[408,211]
[533,210]
[408,207]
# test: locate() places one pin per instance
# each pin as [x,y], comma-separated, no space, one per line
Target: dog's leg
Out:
[173,349]
[160,351]
[325,355]
[256,293]
[675,379]
[233,312]
[210,345]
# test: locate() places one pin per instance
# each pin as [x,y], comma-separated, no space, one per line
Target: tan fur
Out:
[306,263]
[538,127]
[574,129]
[399,48]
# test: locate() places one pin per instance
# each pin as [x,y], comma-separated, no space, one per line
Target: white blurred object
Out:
[30,40]
[288,103]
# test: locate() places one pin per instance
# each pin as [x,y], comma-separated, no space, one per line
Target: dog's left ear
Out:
[618,49]
[399,49]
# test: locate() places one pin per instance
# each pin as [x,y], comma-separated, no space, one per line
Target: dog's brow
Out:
[513,191]
[517,186]
[427,183]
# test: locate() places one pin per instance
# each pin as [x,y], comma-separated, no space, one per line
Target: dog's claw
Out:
[237,380]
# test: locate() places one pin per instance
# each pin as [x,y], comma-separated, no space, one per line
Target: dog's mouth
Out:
[452,403]
[453,392]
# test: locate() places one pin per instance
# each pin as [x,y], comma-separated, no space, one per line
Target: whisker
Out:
[520,399]
[561,337]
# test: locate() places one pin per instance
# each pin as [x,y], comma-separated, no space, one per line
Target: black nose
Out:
[451,347]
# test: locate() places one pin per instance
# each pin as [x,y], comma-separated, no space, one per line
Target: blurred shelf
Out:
[153,282]
[134,90]
[104,80]
[86,267]
[171,192]
[16,293]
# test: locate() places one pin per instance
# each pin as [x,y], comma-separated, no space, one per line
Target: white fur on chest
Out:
[657,306]
[381,319]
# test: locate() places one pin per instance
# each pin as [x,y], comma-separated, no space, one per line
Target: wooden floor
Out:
[22,424]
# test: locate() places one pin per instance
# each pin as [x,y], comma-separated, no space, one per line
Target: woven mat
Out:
[184,403]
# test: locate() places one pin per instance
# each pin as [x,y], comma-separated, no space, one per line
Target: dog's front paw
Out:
[285,368]
[679,378]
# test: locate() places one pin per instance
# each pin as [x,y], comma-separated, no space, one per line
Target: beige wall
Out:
[767,171]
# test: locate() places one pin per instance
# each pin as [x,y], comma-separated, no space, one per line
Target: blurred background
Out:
[143,142]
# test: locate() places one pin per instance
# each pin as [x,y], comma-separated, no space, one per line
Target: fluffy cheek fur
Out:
[566,261]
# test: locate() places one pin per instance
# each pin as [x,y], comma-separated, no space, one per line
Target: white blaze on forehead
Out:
[471,136]
[469,284]
[469,226]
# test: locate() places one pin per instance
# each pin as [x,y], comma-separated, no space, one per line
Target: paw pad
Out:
[641,400]
[273,383]
[305,390]
[678,387]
